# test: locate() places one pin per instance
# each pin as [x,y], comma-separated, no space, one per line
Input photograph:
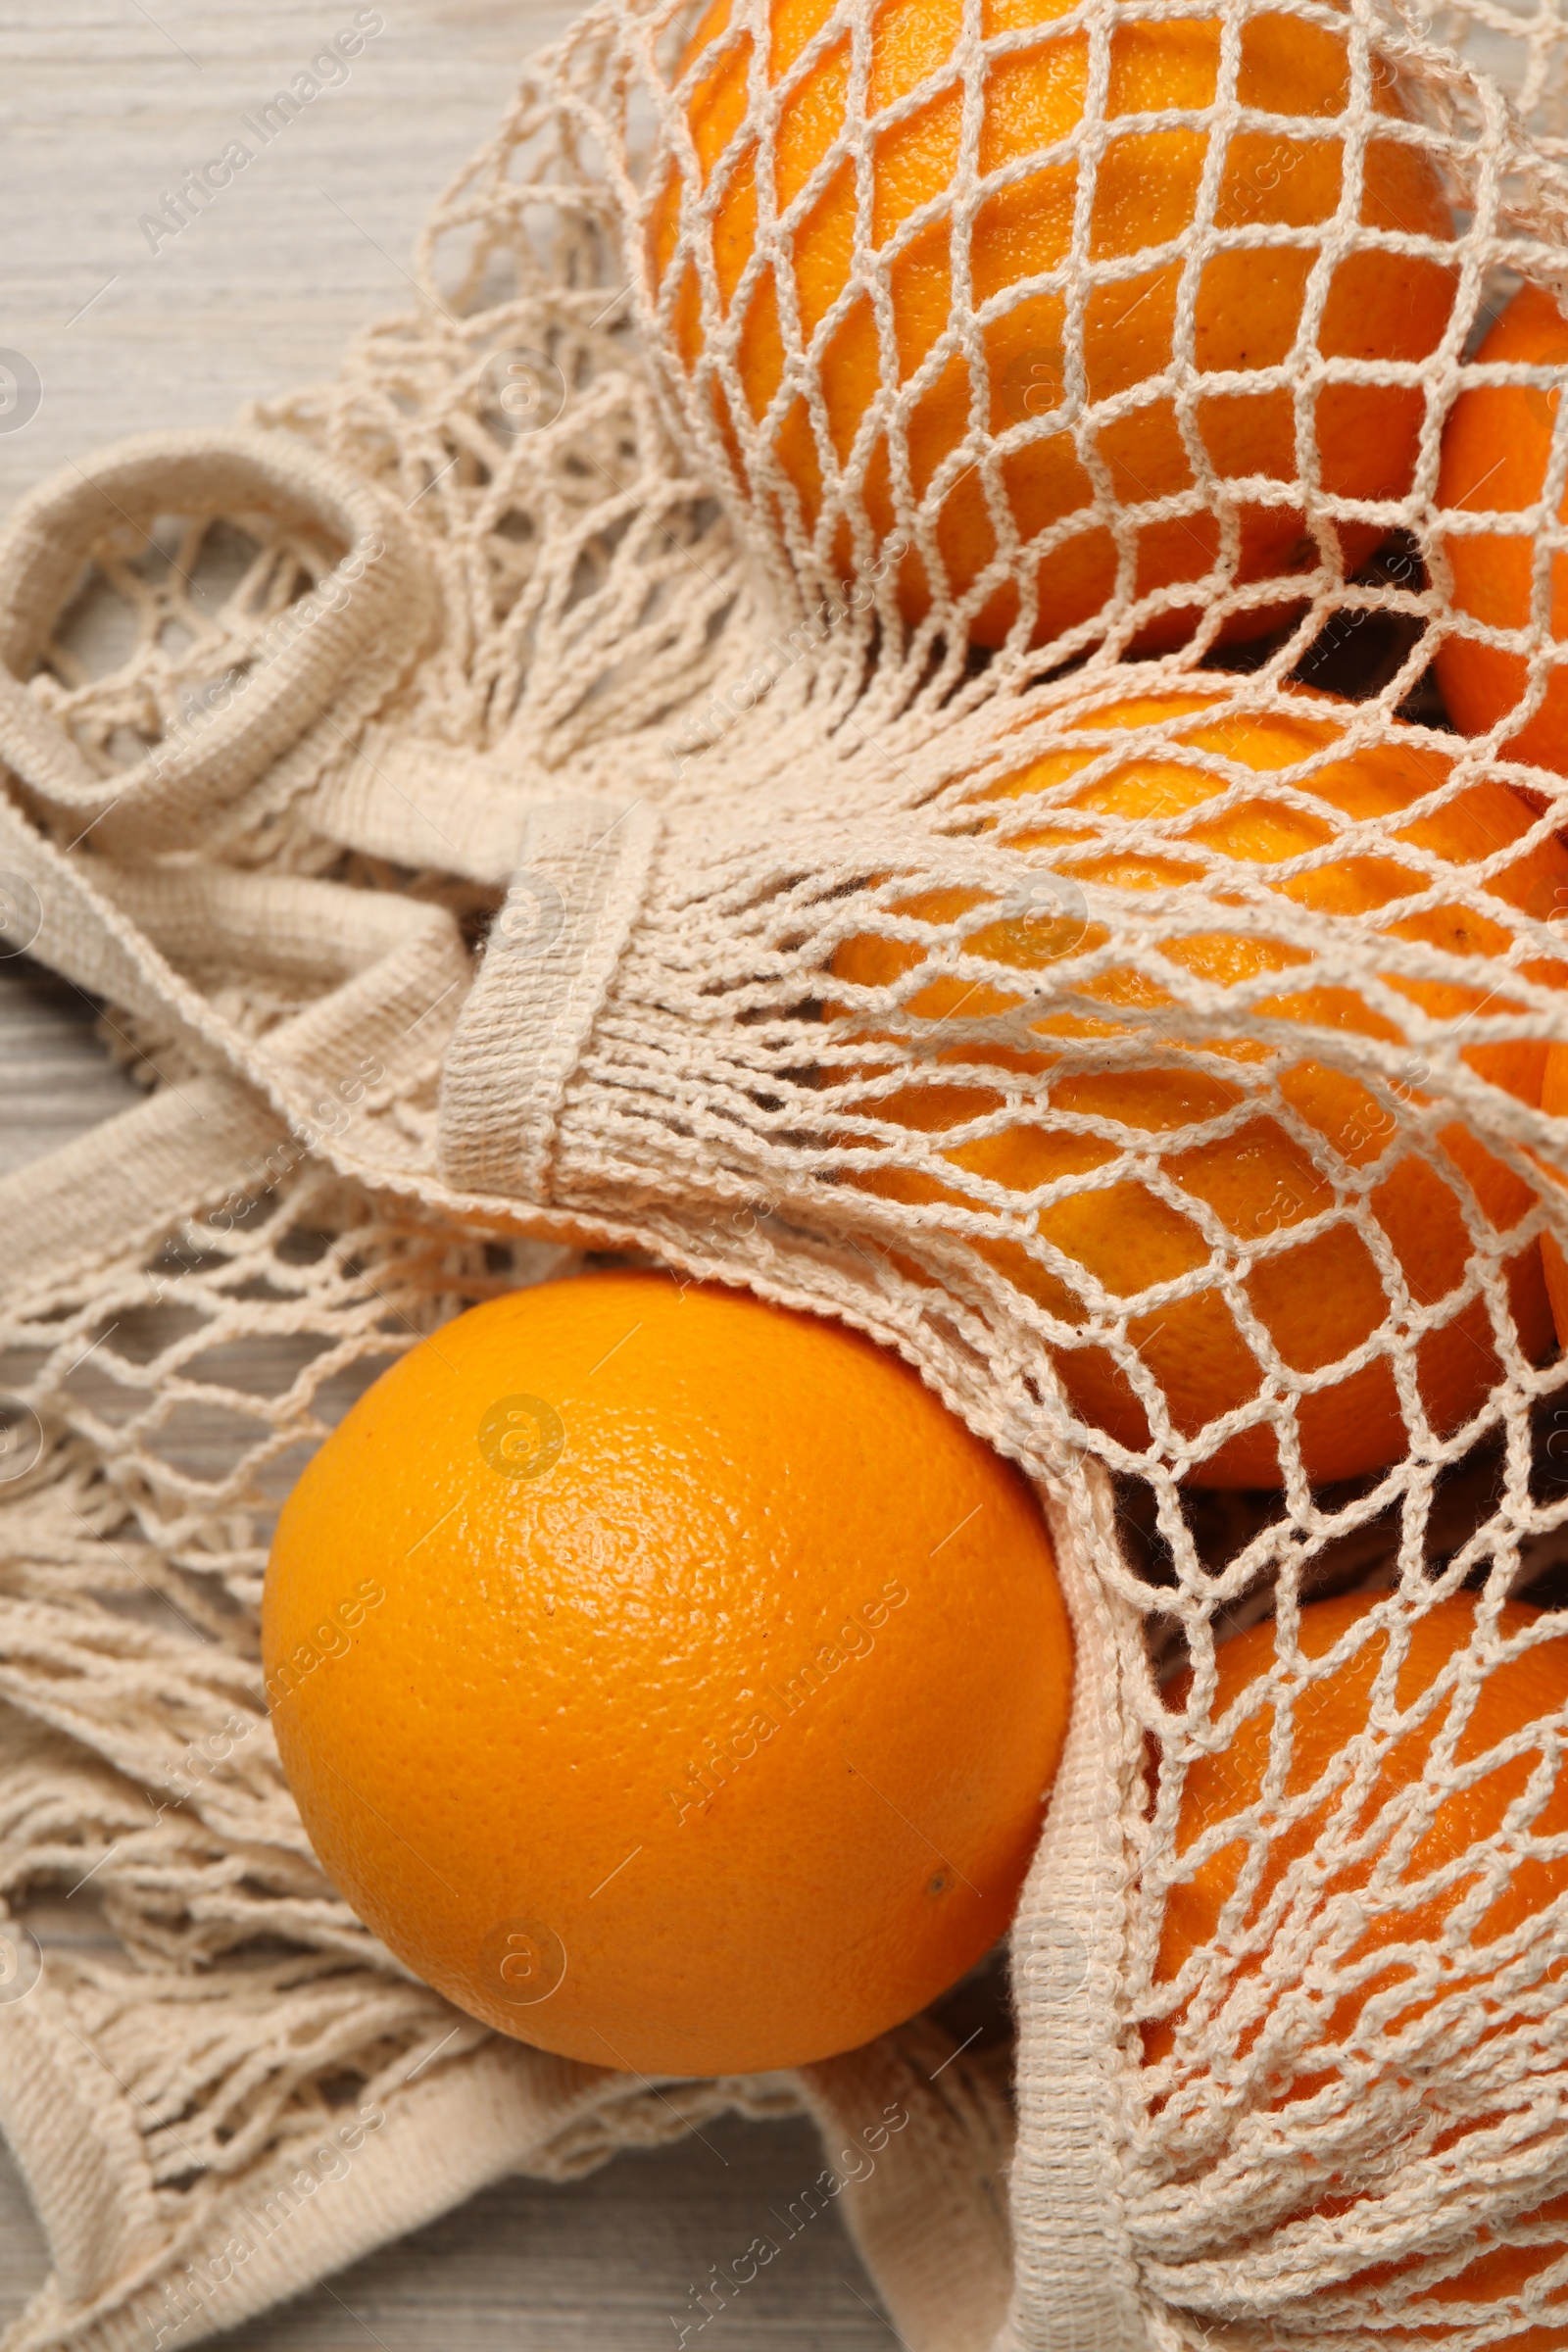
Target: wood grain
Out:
[109,102]
[106,103]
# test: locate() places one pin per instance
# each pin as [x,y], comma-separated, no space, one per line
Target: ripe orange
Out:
[700,1682]
[1380,305]
[1327,1714]
[1319,1300]
[1496,447]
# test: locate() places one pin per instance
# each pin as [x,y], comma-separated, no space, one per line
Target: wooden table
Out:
[107,102]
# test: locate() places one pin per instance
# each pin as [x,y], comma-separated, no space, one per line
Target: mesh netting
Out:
[924,582]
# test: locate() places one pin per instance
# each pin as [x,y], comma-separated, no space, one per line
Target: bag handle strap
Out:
[917,2143]
[1077,2274]
[322,664]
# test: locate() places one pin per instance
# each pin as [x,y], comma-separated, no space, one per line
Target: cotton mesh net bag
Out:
[846,704]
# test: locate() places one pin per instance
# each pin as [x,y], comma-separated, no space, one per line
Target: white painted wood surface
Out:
[105,103]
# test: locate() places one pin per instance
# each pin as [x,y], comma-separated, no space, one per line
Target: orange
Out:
[1330,1711]
[1015,430]
[1319,1300]
[1495,448]
[668,1678]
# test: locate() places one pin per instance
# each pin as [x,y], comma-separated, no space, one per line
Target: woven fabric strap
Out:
[583,867]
